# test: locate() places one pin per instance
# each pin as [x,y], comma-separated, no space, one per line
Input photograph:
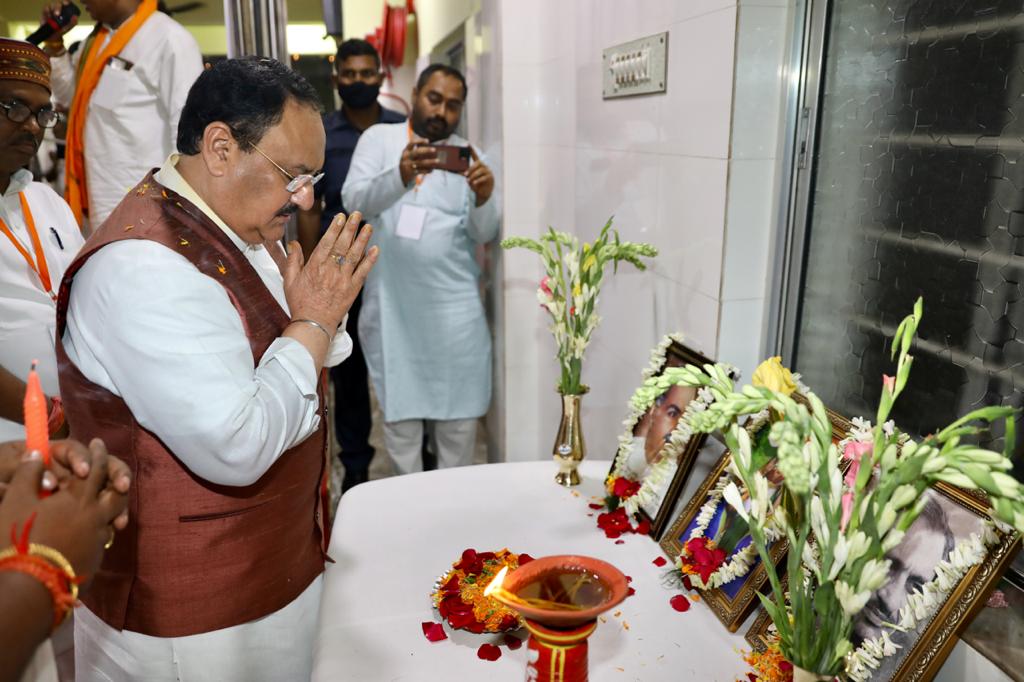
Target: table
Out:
[394,537]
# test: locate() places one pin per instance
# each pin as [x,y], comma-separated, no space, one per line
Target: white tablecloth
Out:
[394,537]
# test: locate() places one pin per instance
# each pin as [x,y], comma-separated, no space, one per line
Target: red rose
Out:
[471,562]
[623,487]
[702,557]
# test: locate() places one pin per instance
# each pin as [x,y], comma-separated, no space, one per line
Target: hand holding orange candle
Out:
[37,431]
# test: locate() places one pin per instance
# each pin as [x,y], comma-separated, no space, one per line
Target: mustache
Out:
[439,121]
[287,210]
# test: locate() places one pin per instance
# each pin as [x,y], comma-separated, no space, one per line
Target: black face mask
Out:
[358,95]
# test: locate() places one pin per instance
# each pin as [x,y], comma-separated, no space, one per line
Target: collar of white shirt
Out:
[169,177]
[20,179]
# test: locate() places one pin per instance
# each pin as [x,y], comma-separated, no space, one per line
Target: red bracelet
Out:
[56,418]
[53,579]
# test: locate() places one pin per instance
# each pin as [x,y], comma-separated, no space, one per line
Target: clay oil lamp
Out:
[559,598]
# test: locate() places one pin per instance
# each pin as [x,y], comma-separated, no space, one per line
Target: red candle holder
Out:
[557,647]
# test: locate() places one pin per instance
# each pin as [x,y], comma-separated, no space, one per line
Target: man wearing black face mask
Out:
[358,77]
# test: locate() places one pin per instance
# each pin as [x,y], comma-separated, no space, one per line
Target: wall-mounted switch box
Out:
[638,67]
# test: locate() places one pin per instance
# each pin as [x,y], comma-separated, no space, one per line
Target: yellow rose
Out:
[772,375]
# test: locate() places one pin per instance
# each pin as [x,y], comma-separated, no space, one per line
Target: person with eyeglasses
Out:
[124,89]
[195,347]
[358,77]
[38,237]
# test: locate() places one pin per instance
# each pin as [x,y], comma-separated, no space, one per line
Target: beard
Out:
[432,128]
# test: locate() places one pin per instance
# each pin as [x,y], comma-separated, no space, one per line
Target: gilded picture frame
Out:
[934,640]
[734,601]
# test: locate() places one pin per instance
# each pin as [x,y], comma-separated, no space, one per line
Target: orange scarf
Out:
[89,76]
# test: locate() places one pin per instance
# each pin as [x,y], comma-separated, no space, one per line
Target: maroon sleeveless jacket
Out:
[196,556]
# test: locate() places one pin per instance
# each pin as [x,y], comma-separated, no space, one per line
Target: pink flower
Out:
[545,288]
[889,383]
[854,452]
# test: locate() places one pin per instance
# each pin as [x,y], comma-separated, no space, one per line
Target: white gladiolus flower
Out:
[852,602]
[762,498]
[894,538]
[743,452]
[735,500]
[859,544]
[889,428]
[840,554]
[886,519]
[818,521]
[810,559]
[874,575]
[902,496]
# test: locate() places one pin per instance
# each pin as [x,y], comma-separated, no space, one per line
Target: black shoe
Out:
[354,477]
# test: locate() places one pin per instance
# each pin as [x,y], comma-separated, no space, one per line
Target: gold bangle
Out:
[53,556]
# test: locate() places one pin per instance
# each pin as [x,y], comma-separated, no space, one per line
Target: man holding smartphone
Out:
[431,199]
[358,77]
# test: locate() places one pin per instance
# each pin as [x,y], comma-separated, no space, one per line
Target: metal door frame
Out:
[804,77]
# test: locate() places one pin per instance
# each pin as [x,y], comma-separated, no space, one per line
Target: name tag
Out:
[410,221]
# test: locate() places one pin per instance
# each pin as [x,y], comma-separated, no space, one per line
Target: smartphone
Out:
[452,158]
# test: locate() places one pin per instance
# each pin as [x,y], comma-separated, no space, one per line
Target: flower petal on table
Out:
[488,652]
[513,642]
[660,561]
[434,632]
[680,602]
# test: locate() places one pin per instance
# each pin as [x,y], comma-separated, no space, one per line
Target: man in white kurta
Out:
[132,116]
[27,307]
[423,329]
[147,326]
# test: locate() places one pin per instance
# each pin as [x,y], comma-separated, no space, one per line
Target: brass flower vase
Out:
[569,449]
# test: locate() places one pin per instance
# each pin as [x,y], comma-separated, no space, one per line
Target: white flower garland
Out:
[660,475]
[924,602]
[742,560]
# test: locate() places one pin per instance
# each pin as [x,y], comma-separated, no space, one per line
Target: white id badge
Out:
[410,221]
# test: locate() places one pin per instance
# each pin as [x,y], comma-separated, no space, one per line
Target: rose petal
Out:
[592,505]
[643,528]
[620,542]
[630,592]
[488,652]
[629,578]
[680,602]
[513,642]
[660,561]
[525,558]
[686,582]
[434,632]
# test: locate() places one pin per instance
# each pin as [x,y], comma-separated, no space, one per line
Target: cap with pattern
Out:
[24,61]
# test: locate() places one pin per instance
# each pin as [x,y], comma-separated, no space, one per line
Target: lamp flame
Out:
[497,582]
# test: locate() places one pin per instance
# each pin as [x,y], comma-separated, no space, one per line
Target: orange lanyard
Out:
[419,176]
[39,264]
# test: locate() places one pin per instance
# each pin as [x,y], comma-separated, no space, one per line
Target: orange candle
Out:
[37,431]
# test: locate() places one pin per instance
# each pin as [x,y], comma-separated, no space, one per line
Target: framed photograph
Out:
[953,535]
[657,450]
[731,590]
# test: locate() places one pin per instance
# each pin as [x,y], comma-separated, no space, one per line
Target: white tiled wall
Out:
[666,166]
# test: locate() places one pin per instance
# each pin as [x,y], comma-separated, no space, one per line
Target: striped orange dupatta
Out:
[93,62]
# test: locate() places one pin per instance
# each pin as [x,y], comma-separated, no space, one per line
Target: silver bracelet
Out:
[317,325]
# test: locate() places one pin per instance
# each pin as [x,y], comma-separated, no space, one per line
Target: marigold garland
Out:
[459,593]
[769,665]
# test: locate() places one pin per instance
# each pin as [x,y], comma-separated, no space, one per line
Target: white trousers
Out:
[275,648]
[454,440]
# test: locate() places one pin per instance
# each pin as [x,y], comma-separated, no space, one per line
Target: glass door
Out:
[911,183]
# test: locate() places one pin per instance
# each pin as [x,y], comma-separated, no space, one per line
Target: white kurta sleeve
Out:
[62,79]
[373,183]
[145,324]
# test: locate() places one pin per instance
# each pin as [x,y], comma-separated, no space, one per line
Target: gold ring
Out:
[110,540]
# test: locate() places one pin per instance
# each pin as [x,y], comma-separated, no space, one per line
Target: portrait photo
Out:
[951,523]
[658,451]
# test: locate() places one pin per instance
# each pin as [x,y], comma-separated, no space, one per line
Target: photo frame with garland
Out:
[922,658]
[684,451]
[733,601]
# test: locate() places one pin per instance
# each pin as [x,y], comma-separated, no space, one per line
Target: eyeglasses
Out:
[19,113]
[295,182]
